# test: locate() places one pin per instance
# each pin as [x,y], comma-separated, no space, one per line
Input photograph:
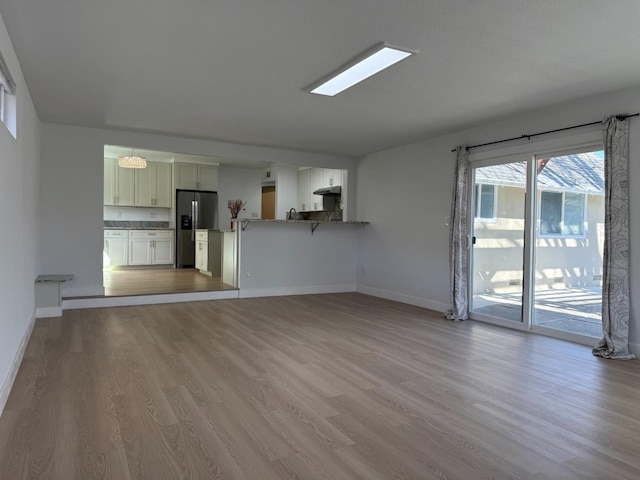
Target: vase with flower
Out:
[235,206]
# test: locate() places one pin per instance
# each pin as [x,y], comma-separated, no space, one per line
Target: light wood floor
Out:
[337,387]
[125,282]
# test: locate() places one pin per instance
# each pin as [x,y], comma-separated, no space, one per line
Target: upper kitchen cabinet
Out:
[153,185]
[303,190]
[207,178]
[316,181]
[310,180]
[332,177]
[118,184]
[192,176]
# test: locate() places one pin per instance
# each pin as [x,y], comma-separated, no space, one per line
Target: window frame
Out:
[2,103]
[8,100]
[585,222]
[478,203]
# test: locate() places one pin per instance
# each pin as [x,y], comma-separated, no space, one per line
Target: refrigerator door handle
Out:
[196,220]
[193,218]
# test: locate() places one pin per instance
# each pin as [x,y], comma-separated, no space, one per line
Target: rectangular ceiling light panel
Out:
[383,56]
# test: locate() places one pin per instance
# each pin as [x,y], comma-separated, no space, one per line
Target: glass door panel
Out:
[497,266]
[569,243]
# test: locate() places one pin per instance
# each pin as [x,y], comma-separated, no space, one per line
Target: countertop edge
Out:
[138,228]
[264,220]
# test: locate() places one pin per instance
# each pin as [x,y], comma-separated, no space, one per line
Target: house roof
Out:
[238,71]
[578,173]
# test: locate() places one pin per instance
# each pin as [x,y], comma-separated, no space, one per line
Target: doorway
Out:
[536,260]
[268,202]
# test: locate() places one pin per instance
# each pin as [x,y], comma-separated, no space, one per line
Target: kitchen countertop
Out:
[337,222]
[138,228]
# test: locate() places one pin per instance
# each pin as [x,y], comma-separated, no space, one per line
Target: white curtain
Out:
[615,278]
[459,239]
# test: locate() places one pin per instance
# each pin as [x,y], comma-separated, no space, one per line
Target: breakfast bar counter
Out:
[286,257]
[244,222]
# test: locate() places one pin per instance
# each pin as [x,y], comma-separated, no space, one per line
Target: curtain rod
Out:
[528,137]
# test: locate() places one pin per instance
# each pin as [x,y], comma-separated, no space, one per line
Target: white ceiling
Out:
[236,71]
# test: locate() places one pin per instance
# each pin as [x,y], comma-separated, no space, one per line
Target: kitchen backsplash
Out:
[323,216]
[136,214]
[134,224]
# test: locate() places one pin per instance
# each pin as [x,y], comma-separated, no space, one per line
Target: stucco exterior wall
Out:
[559,261]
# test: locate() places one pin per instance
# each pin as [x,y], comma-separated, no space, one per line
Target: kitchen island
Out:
[289,257]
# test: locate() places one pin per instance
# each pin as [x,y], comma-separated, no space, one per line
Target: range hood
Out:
[329,191]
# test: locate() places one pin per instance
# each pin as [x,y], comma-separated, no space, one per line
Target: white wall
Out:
[406,193]
[19,160]
[239,184]
[71,191]
[286,259]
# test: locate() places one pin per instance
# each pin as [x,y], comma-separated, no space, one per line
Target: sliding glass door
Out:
[569,243]
[536,260]
[498,240]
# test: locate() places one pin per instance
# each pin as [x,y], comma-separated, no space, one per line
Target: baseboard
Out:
[48,312]
[86,291]
[635,349]
[7,383]
[100,302]
[402,298]
[307,290]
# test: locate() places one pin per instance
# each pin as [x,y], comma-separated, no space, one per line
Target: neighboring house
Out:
[569,224]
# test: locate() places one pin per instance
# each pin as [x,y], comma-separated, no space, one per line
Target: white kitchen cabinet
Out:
[304,178]
[162,253]
[118,184]
[185,175]
[192,176]
[207,178]
[309,180]
[316,180]
[151,247]
[202,257]
[332,177]
[140,251]
[116,247]
[208,255]
[153,185]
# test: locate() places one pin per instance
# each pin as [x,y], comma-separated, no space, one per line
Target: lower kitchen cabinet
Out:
[116,247]
[150,247]
[208,254]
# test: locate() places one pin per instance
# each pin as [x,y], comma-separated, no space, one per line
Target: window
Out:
[2,102]
[486,205]
[7,98]
[562,213]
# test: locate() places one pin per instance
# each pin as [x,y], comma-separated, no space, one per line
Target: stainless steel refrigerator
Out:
[194,209]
